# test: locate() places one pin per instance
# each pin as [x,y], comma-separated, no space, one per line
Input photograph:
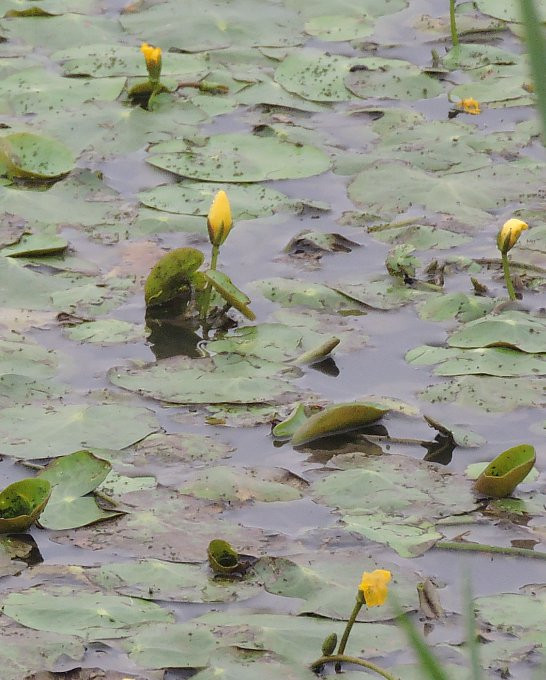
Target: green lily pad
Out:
[21,356]
[492,394]
[194,198]
[335,419]
[470,56]
[25,651]
[179,645]
[384,292]
[506,471]
[339,27]
[171,275]
[455,306]
[49,431]
[170,582]
[328,583]
[521,615]
[318,242]
[296,293]
[508,10]
[240,485]
[421,237]
[225,287]
[100,61]
[228,379]
[106,332]
[233,663]
[72,478]
[223,559]
[391,79]
[35,157]
[238,157]
[286,428]
[498,361]
[461,436]
[270,341]
[21,503]
[508,329]
[40,242]
[91,616]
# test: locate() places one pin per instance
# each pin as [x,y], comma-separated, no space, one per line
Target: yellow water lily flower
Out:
[219,221]
[469,105]
[374,587]
[152,55]
[510,233]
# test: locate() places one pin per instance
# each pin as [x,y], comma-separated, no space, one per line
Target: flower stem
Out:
[352,659]
[507,278]
[208,291]
[453,24]
[347,631]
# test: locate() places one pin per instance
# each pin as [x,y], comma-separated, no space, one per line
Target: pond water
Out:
[360,146]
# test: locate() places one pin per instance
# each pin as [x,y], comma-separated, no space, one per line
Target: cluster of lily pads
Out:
[369,163]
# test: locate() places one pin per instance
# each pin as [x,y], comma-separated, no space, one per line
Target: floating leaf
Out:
[171,275]
[72,478]
[508,329]
[335,419]
[223,559]
[222,379]
[21,503]
[455,306]
[49,431]
[286,428]
[318,353]
[294,293]
[497,361]
[35,157]
[237,157]
[223,285]
[506,471]
[391,79]
[92,616]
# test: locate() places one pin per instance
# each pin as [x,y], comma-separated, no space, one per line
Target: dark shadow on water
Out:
[172,332]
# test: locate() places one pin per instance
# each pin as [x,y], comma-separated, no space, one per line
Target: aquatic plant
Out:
[373,592]
[506,240]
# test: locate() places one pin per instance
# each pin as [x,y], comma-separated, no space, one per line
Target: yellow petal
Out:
[374,587]
[510,233]
[470,105]
[219,219]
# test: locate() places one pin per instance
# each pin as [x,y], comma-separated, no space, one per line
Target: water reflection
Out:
[172,332]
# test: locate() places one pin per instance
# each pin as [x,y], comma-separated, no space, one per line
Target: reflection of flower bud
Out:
[219,221]
[374,587]
[509,234]
[152,55]
[469,105]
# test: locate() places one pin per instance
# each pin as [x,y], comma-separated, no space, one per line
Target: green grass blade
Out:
[536,44]
[470,621]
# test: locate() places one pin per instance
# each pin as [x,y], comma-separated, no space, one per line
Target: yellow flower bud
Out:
[469,105]
[219,221]
[152,56]
[509,234]
[374,587]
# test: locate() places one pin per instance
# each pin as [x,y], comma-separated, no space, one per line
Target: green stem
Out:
[338,658]
[453,24]
[208,291]
[481,547]
[348,627]
[507,278]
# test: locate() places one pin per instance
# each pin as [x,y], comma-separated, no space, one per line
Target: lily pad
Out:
[45,432]
[508,10]
[240,485]
[72,478]
[506,471]
[383,292]
[170,582]
[286,428]
[106,332]
[328,583]
[391,79]
[171,275]
[238,157]
[91,616]
[40,242]
[21,356]
[35,157]
[296,293]
[228,379]
[335,419]
[194,198]
[492,394]
[455,306]
[508,329]
[498,361]
[21,503]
